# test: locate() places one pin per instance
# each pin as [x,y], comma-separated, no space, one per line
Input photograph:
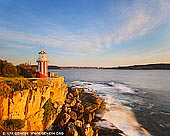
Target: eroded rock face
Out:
[71,130]
[88,131]
[82,112]
[65,119]
[73,113]
[28,104]
[78,123]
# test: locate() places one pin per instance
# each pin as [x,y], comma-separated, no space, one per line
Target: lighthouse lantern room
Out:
[42,69]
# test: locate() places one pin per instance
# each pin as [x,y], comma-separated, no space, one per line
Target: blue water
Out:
[151,100]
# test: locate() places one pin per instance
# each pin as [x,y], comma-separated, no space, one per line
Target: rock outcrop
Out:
[49,105]
[32,105]
[77,117]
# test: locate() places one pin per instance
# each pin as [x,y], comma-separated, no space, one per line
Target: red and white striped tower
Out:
[42,69]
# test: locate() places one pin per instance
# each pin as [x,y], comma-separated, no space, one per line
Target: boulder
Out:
[66,107]
[73,115]
[80,90]
[73,102]
[65,119]
[110,132]
[91,102]
[68,101]
[78,123]
[80,116]
[88,131]
[78,107]
[92,108]
[68,110]
[89,116]
[76,93]
[71,130]
[69,95]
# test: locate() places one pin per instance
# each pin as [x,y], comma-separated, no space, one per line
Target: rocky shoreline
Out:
[49,105]
[79,115]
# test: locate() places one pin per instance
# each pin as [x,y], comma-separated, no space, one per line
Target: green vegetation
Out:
[162,66]
[4,89]
[49,111]
[25,70]
[42,82]
[18,83]
[7,69]
[14,124]
[8,85]
[13,77]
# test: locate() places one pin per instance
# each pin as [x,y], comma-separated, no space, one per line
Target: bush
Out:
[4,89]
[42,82]
[8,85]
[26,70]
[7,69]
[49,112]
[14,124]
[18,83]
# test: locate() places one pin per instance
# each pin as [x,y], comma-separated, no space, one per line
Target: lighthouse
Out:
[42,69]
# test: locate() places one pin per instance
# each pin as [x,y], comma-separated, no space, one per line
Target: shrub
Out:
[49,112]
[14,124]
[4,88]
[26,70]
[18,83]
[7,69]
[42,82]
[8,85]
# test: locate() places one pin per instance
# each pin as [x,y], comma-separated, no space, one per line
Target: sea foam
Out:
[116,114]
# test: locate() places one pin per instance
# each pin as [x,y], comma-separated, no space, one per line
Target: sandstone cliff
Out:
[32,105]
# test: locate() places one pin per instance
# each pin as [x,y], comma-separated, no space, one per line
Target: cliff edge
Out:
[36,107]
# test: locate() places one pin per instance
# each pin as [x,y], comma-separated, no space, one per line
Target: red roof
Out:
[42,52]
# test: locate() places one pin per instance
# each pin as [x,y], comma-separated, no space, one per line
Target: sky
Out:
[86,32]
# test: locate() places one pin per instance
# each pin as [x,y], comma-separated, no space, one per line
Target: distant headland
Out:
[7,69]
[161,66]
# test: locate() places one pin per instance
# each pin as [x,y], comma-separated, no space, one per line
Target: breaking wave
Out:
[117,112]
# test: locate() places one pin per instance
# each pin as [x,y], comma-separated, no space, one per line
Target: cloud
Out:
[164,51]
[73,42]
[136,20]
[28,38]
[14,45]
[139,19]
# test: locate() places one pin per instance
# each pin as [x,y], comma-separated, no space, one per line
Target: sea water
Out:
[136,99]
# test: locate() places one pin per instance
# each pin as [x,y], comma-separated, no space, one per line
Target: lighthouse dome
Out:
[42,56]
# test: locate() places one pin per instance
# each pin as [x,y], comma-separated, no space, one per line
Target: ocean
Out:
[142,95]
